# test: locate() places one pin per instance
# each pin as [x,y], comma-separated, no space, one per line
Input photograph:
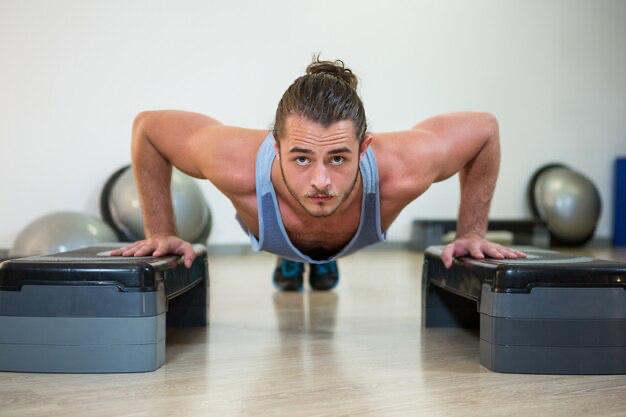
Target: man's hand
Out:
[159,245]
[478,247]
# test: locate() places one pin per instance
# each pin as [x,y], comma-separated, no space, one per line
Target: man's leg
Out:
[324,277]
[288,275]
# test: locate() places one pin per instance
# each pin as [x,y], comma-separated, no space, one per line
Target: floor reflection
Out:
[307,357]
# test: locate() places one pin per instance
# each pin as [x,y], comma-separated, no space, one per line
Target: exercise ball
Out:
[568,202]
[120,207]
[532,185]
[60,232]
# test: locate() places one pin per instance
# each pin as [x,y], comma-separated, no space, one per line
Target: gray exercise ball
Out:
[121,208]
[569,203]
[60,232]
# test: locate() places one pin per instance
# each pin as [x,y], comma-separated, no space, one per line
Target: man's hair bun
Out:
[326,94]
[333,68]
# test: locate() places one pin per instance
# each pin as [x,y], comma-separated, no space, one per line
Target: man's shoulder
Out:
[228,157]
[402,159]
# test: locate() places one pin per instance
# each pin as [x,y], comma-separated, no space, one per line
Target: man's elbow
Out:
[140,121]
[491,125]
[492,144]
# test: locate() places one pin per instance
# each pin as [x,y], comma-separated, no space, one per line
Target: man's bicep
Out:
[173,134]
[453,140]
[226,156]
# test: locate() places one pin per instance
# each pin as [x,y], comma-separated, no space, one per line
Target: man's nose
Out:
[320,180]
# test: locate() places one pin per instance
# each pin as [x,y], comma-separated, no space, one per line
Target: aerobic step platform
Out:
[85,311]
[550,313]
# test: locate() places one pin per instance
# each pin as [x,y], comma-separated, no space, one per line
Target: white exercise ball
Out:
[569,203]
[60,232]
[121,208]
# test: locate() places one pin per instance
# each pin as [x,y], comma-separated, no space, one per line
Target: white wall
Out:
[74,73]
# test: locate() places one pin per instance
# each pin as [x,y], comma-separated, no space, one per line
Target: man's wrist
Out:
[150,235]
[470,235]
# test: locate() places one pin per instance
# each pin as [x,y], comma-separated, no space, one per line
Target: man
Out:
[318,186]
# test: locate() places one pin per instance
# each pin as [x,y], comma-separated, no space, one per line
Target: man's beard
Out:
[323,214]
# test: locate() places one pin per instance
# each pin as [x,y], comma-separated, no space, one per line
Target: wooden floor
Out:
[355,351]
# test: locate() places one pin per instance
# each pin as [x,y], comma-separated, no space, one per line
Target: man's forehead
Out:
[300,129]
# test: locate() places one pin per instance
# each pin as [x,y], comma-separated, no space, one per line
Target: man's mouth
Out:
[320,198]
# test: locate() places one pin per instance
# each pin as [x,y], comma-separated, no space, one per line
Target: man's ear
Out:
[277,149]
[367,140]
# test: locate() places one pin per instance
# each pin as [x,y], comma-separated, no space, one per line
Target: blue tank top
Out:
[273,237]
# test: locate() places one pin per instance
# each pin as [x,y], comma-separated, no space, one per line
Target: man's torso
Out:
[320,236]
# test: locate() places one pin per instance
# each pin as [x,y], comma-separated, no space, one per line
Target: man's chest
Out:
[321,237]
[307,234]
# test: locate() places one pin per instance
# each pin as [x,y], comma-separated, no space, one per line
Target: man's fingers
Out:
[158,246]
[478,248]
[162,249]
[189,255]
[494,252]
[118,251]
[475,250]
[446,255]
[506,252]
[145,249]
[512,253]
[131,249]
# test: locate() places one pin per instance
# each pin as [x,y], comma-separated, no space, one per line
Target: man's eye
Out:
[302,160]
[337,160]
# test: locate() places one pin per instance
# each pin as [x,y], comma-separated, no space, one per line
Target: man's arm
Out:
[467,143]
[155,146]
[200,147]
[471,146]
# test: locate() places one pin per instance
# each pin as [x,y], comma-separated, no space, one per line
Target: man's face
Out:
[319,165]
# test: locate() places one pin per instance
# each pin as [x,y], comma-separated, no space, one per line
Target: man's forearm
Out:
[153,174]
[478,181]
